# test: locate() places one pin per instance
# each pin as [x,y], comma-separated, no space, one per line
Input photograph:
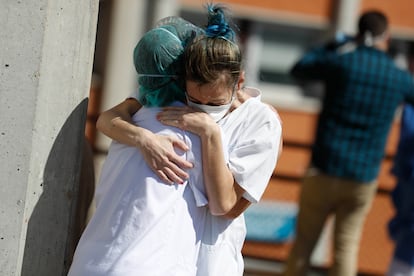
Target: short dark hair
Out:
[374,22]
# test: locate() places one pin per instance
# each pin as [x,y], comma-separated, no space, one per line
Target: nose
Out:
[203,101]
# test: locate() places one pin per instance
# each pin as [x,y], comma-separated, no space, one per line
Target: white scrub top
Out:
[252,134]
[142,226]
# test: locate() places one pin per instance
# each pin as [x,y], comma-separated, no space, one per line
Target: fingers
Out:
[178,143]
[174,113]
[177,109]
[173,176]
[163,177]
[160,155]
[170,176]
[181,163]
[169,121]
[171,173]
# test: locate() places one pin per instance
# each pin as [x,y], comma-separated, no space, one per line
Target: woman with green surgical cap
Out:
[141,225]
[216,103]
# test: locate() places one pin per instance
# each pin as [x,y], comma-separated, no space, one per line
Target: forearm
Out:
[116,123]
[157,150]
[222,191]
[241,206]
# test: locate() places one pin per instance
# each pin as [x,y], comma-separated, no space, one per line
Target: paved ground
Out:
[256,267]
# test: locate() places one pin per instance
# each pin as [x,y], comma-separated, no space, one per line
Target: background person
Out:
[401,226]
[363,89]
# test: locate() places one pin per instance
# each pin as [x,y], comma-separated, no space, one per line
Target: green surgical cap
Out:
[158,60]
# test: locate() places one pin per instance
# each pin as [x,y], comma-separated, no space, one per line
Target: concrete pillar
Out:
[130,19]
[45,70]
[347,14]
[128,24]
[253,50]
[161,9]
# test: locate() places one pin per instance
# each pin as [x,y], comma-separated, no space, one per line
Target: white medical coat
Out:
[190,234]
[252,134]
[142,226]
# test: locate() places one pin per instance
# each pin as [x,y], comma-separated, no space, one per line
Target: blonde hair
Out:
[210,56]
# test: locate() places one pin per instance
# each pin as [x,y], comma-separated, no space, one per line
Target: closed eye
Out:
[198,102]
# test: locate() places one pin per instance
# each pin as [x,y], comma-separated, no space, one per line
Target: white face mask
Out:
[217,112]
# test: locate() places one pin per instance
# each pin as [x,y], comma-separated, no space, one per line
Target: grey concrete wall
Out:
[45,68]
[120,80]
[347,13]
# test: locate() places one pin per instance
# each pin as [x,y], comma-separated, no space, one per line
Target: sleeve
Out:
[254,158]
[410,88]
[314,65]
[404,160]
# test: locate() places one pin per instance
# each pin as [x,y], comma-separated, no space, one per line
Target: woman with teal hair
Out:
[217,103]
[158,60]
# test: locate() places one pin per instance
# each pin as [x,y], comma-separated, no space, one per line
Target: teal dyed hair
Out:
[215,55]
[158,60]
[218,24]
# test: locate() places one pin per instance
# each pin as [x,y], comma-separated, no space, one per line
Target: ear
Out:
[241,80]
[384,43]
[388,38]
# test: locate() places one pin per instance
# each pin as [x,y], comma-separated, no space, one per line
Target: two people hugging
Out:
[190,153]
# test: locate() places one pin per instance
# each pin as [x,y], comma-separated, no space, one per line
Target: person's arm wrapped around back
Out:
[317,63]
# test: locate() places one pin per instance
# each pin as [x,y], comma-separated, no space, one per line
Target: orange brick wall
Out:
[321,8]
[317,8]
[399,12]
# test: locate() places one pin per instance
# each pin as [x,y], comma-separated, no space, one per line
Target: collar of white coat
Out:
[253,92]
